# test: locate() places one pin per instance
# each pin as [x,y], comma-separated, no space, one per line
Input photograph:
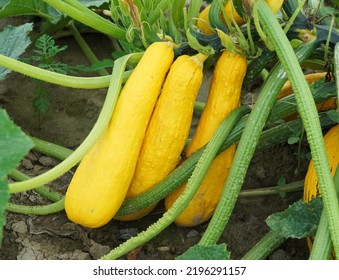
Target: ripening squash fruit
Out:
[331,140]
[168,129]
[101,181]
[203,23]
[223,98]
[287,89]
[311,186]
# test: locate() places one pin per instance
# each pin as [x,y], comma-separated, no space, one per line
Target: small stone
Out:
[47,161]
[26,163]
[127,233]
[32,157]
[20,227]
[192,233]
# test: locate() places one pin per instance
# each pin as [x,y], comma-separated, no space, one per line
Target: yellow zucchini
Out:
[286,90]
[101,181]
[223,98]
[331,139]
[168,129]
[203,23]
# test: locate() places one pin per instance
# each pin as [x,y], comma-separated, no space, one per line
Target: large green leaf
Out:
[300,220]
[14,145]
[28,7]
[202,252]
[14,41]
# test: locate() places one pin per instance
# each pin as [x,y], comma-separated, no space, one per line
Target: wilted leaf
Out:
[201,252]
[300,220]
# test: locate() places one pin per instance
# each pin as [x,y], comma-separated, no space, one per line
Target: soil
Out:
[70,117]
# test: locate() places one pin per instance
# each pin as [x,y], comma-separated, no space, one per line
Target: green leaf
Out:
[333,115]
[28,7]
[14,41]
[14,145]
[202,252]
[93,3]
[4,197]
[298,221]
[292,140]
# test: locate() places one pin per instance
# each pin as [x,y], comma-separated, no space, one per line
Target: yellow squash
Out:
[311,187]
[331,140]
[287,89]
[101,181]
[203,22]
[168,129]
[223,98]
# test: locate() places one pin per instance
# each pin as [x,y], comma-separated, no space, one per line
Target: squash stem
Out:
[36,210]
[247,146]
[193,184]
[45,191]
[271,241]
[99,127]
[53,77]
[81,13]
[322,245]
[309,116]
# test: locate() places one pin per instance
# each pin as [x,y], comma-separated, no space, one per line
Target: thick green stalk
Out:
[57,78]
[51,149]
[309,116]
[86,16]
[336,68]
[193,184]
[37,210]
[52,77]
[160,8]
[45,191]
[99,127]
[322,245]
[271,241]
[291,187]
[247,146]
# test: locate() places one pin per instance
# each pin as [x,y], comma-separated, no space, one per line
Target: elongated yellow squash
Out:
[286,90]
[168,129]
[203,23]
[223,98]
[331,140]
[311,186]
[101,181]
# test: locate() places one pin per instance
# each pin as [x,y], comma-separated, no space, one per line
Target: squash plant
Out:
[117,137]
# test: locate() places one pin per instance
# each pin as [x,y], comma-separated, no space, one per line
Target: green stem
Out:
[193,184]
[84,15]
[37,210]
[309,116]
[336,69]
[247,146]
[86,48]
[294,15]
[45,191]
[54,78]
[271,241]
[322,245]
[160,8]
[51,149]
[292,187]
[99,127]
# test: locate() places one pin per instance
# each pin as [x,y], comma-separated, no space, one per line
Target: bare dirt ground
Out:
[69,119]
